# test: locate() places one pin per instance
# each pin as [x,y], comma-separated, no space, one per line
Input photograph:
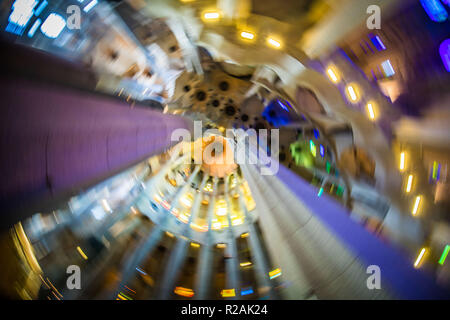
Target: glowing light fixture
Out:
[82,253]
[328,167]
[245,264]
[227,293]
[184,292]
[274,273]
[436,172]
[244,235]
[33,29]
[105,205]
[333,74]
[246,291]
[90,5]
[283,105]
[316,133]
[444,255]
[40,8]
[419,258]
[322,151]
[402,161]
[387,68]
[141,271]
[352,92]
[376,41]
[247,35]
[53,25]
[211,16]
[221,245]
[319,194]
[416,205]
[409,183]
[123,296]
[237,221]
[273,43]
[312,148]
[370,110]
[187,200]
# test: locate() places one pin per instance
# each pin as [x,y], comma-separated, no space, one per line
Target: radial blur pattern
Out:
[167,149]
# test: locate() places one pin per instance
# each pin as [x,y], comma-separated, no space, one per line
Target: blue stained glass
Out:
[22,11]
[444,51]
[435,10]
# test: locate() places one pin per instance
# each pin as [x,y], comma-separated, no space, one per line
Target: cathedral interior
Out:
[343,126]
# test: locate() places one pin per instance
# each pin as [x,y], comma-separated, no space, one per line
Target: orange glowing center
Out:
[217,156]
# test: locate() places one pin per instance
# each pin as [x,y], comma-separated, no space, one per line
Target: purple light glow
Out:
[444,51]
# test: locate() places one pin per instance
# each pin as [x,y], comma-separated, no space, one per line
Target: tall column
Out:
[280,253]
[197,201]
[178,255]
[205,267]
[55,142]
[232,263]
[181,191]
[136,257]
[147,246]
[319,248]
[260,264]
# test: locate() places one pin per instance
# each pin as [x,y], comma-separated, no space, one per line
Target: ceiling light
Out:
[402,161]
[211,15]
[416,205]
[247,35]
[274,43]
[409,183]
[420,257]
[370,109]
[352,92]
[333,74]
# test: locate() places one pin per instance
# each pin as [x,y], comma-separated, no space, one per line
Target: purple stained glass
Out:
[444,51]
